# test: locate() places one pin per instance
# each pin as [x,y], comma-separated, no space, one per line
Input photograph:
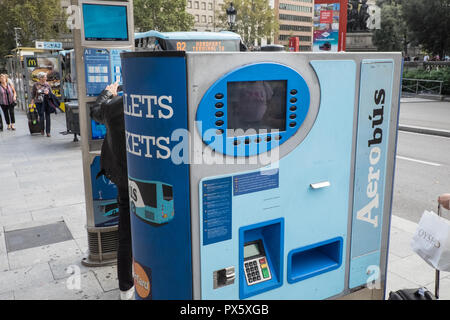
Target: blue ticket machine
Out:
[280,171]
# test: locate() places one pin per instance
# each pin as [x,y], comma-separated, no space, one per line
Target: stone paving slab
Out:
[31,276]
[65,289]
[52,252]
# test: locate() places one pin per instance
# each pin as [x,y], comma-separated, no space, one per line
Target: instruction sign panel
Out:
[102,67]
[255,181]
[217,209]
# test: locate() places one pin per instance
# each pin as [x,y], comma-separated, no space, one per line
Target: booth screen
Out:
[251,250]
[105,22]
[258,105]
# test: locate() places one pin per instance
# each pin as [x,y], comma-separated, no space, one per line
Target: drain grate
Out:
[37,236]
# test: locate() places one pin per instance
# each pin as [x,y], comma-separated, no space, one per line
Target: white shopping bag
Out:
[432,241]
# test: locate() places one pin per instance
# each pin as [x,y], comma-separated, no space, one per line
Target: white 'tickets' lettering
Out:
[148,106]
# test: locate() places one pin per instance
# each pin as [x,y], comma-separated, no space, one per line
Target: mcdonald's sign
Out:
[32,62]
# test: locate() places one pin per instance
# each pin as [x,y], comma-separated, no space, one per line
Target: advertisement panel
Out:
[326,27]
[48,65]
[329,25]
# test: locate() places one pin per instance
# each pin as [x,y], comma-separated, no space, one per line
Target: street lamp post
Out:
[231,14]
[16,36]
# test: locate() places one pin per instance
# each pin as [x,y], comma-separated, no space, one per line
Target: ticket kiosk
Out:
[280,166]
[103,29]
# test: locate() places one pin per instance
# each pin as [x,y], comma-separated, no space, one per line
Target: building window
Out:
[293,7]
[210,19]
[284,37]
[304,48]
[287,27]
[197,18]
[189,4]
[210,6]
[304,38]
[196,5]
[203,5]
[204,19]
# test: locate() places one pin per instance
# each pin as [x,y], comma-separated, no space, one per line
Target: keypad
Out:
[257,270]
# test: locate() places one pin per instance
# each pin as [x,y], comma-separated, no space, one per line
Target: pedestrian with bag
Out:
[108,109]
[8,98]
[39,93]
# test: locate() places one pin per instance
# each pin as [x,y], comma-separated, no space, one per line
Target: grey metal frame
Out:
[106,44]
[91,148]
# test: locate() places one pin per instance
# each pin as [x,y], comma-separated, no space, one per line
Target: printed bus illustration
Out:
[152,201]
[110,209]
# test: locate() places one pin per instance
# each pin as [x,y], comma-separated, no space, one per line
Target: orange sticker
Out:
[141,281]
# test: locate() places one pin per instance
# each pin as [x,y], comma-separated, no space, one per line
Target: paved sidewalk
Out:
[42,183]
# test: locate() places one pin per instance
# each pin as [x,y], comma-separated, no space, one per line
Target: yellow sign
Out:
[200,46]
[31,62]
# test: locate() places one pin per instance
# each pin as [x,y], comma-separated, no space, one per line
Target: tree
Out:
[429,22]
[255,20]
[162,15]
[38,20]
[393,35]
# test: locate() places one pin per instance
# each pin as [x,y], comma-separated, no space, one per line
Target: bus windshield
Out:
[148,192]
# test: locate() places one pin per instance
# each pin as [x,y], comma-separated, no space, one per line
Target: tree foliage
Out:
[429,21]
[38,20]
[255,20]
[393,35]
[162,15]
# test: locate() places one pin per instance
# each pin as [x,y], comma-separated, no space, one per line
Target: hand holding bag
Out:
[431,241]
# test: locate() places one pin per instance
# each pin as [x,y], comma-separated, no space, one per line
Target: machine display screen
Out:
[105,22]
[251,250]
[256,105]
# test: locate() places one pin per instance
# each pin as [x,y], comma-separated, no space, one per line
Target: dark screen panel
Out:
[105,22]
[258,105]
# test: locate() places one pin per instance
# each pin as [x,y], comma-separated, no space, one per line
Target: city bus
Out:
[192,41]
[151,201]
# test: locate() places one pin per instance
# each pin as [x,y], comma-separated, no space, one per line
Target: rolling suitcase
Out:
[33,121]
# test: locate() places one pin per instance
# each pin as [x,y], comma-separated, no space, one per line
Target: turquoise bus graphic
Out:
[110,209]
[152,201]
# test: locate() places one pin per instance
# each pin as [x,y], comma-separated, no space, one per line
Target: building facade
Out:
[205,14]
[295,20]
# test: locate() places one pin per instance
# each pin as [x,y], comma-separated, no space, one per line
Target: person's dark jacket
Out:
[51,103]
[108,110]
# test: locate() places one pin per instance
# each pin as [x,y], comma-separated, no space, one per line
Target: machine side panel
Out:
[155,106]
[370,169]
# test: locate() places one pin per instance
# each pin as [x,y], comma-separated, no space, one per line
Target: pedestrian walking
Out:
[108,109]
[8,98]
[39,93]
